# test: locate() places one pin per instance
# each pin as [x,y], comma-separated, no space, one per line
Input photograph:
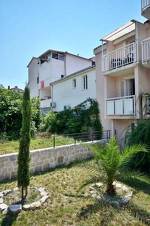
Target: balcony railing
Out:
[120,106]
[120,57]
[45,103]
[146,50]
[145,4]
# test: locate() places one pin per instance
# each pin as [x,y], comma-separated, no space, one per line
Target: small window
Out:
[38,80]
[58,56]
[74,82]
[55,55]
[85,82]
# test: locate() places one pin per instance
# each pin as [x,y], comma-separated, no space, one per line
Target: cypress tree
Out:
[24,154]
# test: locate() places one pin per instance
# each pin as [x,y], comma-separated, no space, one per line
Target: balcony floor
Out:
[121,70]
[123,117]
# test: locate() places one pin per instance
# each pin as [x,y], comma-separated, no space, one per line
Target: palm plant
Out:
[111,163]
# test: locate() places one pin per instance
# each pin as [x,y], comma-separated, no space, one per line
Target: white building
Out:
[74,89]
[52,66]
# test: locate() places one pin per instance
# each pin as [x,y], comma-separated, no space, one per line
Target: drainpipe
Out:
[51,93]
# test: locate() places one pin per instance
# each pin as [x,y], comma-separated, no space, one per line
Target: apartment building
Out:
[52,66]
[123,75]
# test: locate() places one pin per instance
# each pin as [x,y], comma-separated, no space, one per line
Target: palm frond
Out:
[128,154]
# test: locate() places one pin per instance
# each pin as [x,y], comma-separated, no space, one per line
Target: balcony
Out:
[146,52]
[146,8]
[45,103]
[120,106]
[119,58]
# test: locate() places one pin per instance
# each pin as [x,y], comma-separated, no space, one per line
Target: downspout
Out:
[51,94]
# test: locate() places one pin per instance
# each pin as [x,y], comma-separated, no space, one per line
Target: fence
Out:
[85,136]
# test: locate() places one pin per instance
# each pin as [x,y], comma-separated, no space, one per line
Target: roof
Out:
[125,29]
[73,74]
[57,51]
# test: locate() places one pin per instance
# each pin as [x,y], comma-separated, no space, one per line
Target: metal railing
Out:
[120,106]
[145,50]
[77,138]
[120,57]
[145,4]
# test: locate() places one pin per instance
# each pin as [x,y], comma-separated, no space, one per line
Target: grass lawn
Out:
[12,146]
[64,208]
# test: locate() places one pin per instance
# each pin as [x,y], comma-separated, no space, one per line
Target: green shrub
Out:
[48,122]
[140,134]
[83,118]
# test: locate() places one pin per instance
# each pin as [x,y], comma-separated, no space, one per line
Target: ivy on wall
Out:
[83,118]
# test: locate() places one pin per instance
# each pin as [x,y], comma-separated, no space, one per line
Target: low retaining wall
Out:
[44,159]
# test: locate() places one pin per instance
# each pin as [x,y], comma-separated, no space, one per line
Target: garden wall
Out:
[44,159]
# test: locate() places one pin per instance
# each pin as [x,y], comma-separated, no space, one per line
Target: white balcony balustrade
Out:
[120,106]
[45,103]
[146,51]
[145,4]
[146,8]
[120,57]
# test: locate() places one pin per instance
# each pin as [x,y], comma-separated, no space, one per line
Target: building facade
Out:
[54,66]
[123,75]
[74,89]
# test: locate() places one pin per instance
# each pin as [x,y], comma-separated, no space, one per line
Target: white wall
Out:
[65,95]
[51,71]
[32,78]
[74,64]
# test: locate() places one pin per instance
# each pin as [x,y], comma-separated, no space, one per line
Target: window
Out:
[55,55]
[38,80]
[128,87]
[74,83]
[58,56]
[85,82]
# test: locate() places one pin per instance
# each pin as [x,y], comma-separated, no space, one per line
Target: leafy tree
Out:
[23,157]
[11,116]
[10,113]
[111,164]
[36,117]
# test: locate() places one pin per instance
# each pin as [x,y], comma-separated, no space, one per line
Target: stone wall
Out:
[44,159]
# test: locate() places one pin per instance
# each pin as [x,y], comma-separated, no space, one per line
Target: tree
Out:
[24,157]
[10,113]
[112,163]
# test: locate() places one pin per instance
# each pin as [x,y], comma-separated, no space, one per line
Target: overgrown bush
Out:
[10,113]
[140,134]
[83,118]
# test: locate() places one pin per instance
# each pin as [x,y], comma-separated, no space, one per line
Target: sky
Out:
[30,27]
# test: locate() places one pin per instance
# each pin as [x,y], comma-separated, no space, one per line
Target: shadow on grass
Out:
[138,184]
[106,214]
[9,219]
[139,213]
